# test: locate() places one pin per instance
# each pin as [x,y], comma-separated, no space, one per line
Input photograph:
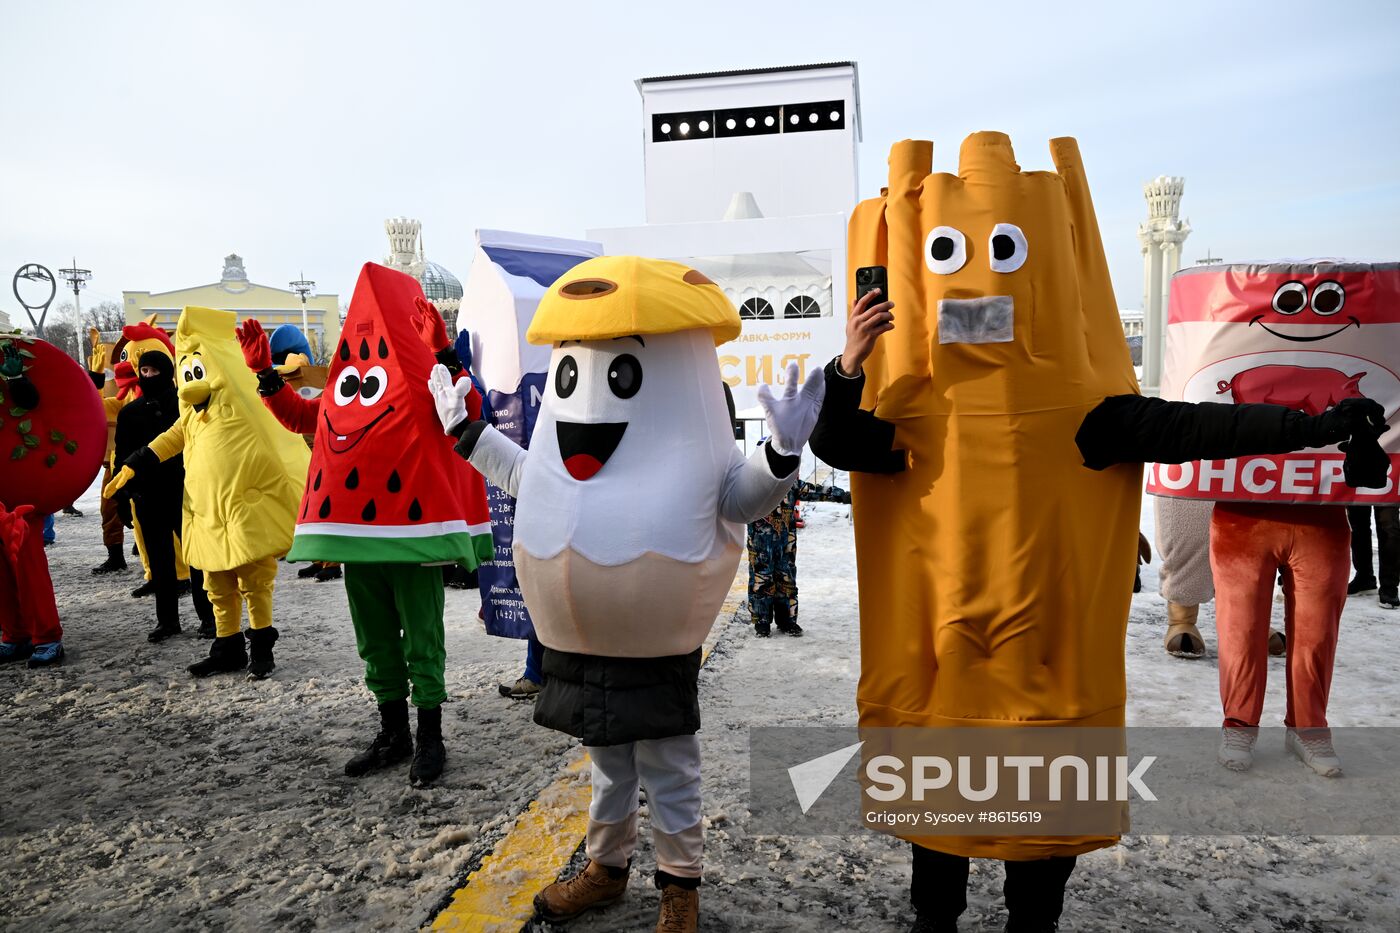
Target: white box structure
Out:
[787,135]
[751,178]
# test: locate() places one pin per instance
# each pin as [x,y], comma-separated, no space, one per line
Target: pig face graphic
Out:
[1295,303]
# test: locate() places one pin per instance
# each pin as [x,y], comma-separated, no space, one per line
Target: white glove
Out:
[449,397]
[793,415]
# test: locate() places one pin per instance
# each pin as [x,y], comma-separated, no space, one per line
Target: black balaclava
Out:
[161,386]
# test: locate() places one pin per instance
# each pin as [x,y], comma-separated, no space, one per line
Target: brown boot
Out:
[596,886]
[1183,638]
[680,910]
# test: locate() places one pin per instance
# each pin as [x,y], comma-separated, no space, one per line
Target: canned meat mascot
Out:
[387,497]
[995,545]
[632,501]
[1309,336]
[243,480]
[52,438]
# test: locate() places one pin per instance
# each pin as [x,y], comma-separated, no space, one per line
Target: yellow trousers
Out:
[229,590]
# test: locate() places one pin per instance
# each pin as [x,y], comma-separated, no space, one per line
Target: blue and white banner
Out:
[509,275]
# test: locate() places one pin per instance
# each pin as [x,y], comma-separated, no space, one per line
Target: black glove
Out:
[467,433]
[1348,418]
[448,357]
[124,507]
[269,382]
[143,459]
[1366,464]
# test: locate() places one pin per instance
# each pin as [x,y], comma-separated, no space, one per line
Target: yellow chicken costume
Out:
[117,393]
[243,481]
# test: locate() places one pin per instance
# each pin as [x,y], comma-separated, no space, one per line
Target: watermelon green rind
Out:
[384,547]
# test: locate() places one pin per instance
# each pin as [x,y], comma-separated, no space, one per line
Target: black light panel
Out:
[672,127]
[809,118]
[749,121]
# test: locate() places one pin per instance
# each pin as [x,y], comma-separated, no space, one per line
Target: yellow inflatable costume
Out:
[992,571]
[244,473]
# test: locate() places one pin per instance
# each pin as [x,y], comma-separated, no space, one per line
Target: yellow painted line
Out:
[499,896]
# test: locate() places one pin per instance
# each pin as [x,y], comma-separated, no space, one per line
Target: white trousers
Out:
[669,769]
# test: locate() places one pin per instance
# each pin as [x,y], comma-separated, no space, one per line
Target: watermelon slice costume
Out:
[385,493]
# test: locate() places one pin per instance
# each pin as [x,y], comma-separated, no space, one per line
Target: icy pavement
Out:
[140,799]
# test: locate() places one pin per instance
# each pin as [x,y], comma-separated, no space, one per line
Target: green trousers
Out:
[397,612]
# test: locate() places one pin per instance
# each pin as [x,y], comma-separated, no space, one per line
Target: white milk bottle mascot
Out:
[632,502]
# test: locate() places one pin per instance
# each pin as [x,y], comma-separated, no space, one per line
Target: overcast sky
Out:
[150,139]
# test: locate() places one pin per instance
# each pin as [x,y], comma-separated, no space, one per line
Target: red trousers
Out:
[27,609]
[1249,545]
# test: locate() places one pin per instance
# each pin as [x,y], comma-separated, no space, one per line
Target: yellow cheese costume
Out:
[986,601]
[243,472]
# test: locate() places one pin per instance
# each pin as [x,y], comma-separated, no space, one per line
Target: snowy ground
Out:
[141,799]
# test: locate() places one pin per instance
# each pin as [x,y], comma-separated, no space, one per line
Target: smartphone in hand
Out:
[869,278]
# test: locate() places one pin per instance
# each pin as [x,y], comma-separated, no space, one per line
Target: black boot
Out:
[785,622]
[430,754]
[115,561]
[260,642]
[207,628]
[328,573]
[309,571]
[226,655]
[393,744]
[162,631]
[145,589]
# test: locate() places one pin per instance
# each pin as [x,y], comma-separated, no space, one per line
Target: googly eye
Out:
[625,376]
[347,387]
[1290,298]
[373,385]
[1007,248]
[566,377]
[188,374]
[1328,298]
[122,356]
[945,250]
[198,370]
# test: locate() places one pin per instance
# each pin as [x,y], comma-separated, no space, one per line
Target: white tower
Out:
[1161,236]
[404,236]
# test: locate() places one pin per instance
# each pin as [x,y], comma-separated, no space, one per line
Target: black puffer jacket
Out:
[610,701]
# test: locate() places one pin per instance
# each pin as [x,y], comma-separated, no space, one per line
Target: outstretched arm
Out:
[494,455]
[291,410]
[1134,429]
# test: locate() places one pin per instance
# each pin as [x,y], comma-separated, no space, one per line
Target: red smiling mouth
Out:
[584,448]
[1351,322]
[340,443]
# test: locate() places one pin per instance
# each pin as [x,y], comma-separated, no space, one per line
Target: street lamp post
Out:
[77,280]
[303,287]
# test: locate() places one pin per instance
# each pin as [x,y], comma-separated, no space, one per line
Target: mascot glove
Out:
[252,340]
[450,397]
[97,363]
[793,415]
[1350,417]
[1366,464]
[14,528]
[124,476]
[431,330]
[11,364]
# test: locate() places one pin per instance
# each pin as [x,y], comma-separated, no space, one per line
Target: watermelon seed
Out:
[368,513]
[395,484]
[353,479]
[316,486]
[415,511]
[304,506]
[326,507]
[344,350]
[364,349]
[383,349]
